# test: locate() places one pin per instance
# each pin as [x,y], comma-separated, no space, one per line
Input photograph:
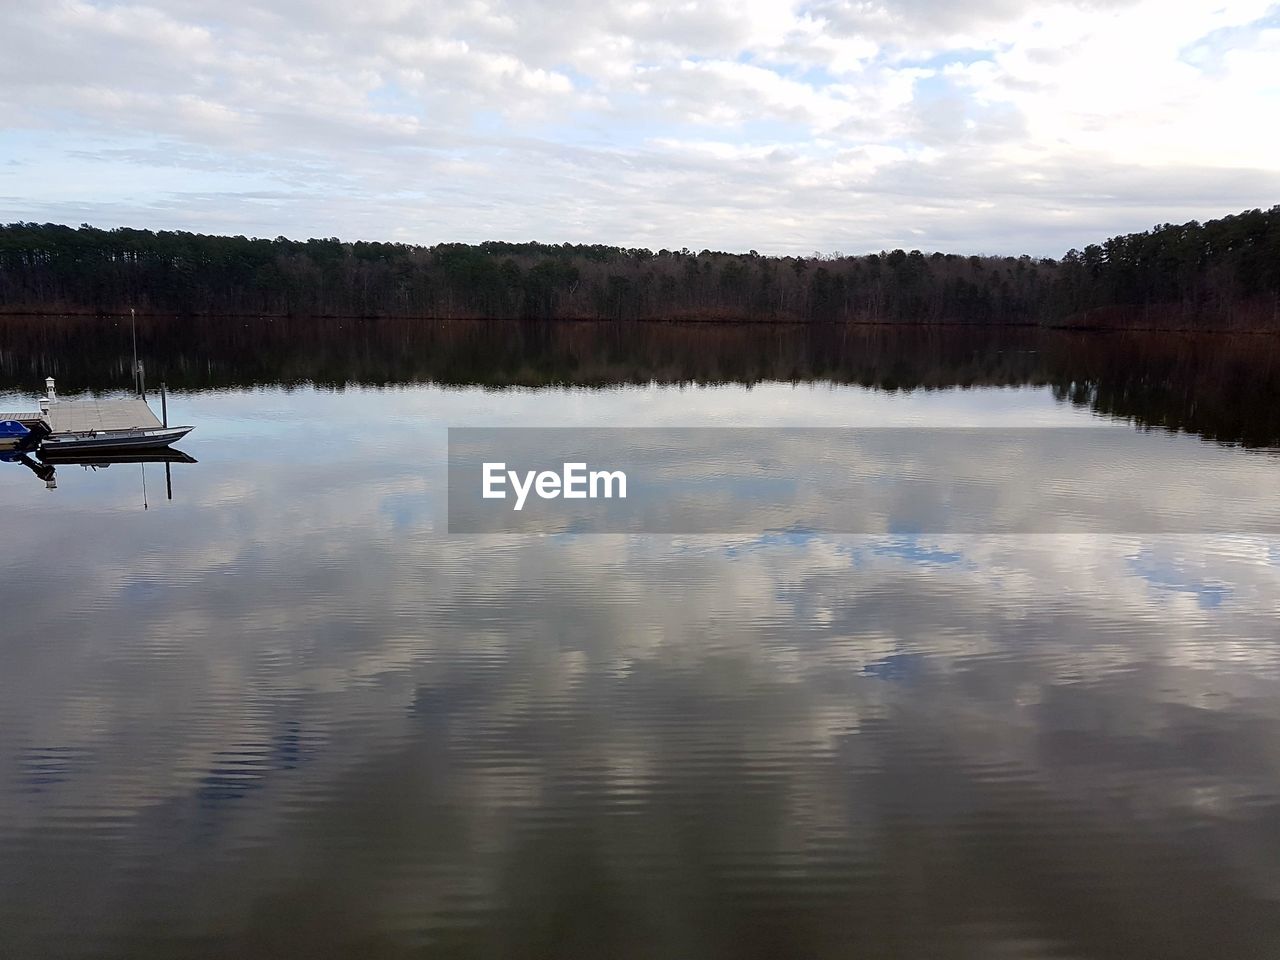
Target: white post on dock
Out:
[50,396]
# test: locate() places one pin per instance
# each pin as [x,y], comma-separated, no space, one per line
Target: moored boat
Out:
[93,425]
[12,434]
[69,444]
[17,437]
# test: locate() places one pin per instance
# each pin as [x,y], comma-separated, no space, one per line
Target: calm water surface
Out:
[285,714]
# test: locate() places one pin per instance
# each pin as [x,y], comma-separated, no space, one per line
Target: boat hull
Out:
[74,444]
[103,458]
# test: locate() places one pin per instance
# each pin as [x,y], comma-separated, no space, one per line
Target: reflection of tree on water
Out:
[1219,386]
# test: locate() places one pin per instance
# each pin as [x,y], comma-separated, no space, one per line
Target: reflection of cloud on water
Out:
[293,660]
[916,550]
[776,538]
[1168,574]
[899,667]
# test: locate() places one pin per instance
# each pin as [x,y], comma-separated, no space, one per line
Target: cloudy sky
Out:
[995,126]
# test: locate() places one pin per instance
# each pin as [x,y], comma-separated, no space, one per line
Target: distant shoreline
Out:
[683,319]
[1221,275]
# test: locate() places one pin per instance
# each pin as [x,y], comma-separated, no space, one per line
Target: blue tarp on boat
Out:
[12,429]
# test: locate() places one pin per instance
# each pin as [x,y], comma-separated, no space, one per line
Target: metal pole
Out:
[133,325]
[164,404]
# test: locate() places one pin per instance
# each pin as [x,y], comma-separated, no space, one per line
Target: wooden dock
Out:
[89,414]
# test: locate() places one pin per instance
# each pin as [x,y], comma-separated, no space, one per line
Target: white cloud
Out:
[1000,126]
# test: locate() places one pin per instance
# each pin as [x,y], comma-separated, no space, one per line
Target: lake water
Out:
[287,714]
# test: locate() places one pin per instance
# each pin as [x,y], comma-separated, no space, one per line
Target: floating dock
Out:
[90,414]
[93,432]
[92,423]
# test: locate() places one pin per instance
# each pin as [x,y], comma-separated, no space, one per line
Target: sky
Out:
[823,126]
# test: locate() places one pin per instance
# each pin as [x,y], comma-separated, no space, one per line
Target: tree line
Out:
[1223,273]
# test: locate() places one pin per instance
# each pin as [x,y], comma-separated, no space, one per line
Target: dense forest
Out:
[1220,274]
